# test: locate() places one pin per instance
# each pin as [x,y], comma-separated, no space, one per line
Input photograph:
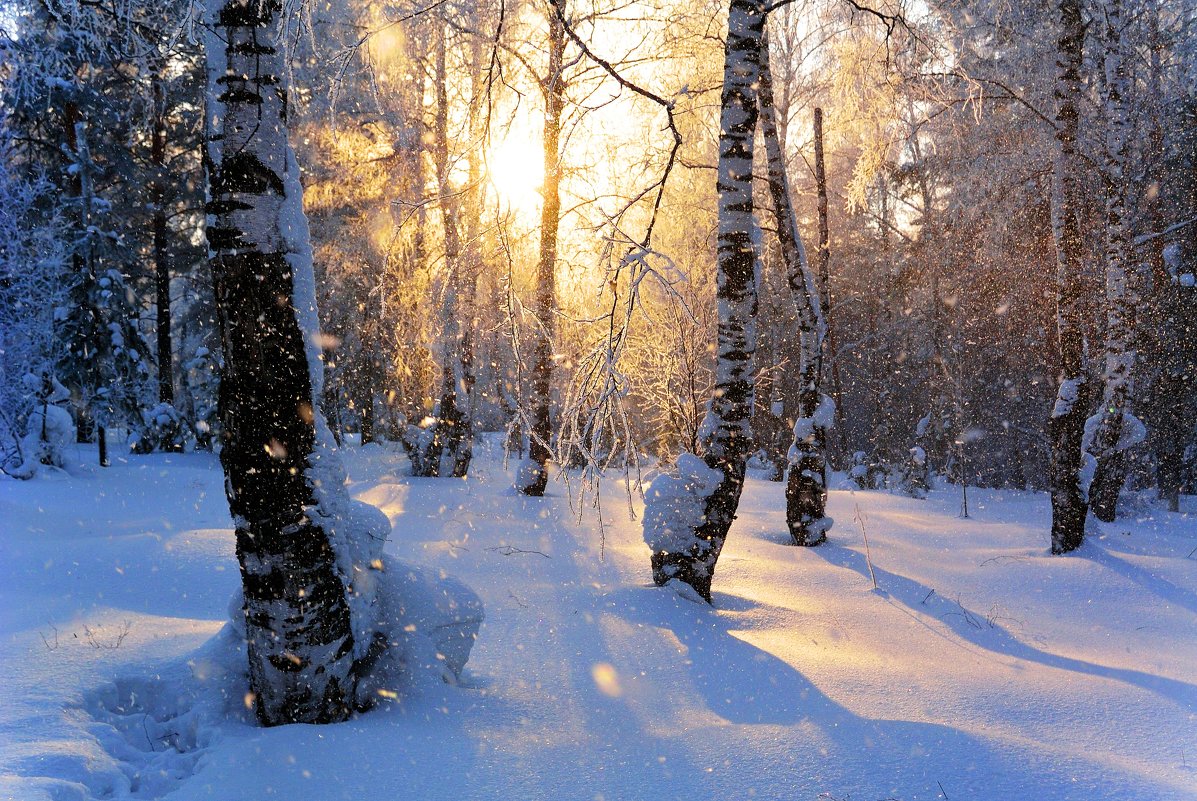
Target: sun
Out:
[515,167]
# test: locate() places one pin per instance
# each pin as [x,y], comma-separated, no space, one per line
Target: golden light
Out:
[515,167]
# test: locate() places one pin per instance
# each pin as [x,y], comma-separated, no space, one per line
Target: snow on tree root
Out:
[430,621]
[675,507]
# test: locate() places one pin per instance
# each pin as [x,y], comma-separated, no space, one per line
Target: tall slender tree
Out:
[1114,428]
[450,446]
[687,517]
[1066,425]
[534,476]
[806,472]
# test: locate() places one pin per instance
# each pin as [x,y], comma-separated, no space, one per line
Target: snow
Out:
[982,667]
[1066,397]
[675,504]
[1131,433]
[805,427]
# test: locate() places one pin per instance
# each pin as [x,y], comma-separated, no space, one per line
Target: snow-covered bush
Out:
[51,429]
[201,382]
[417,443]
[913,476]
[162,430]
[866,473]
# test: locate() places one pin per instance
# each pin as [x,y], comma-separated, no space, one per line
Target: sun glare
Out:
[516,171]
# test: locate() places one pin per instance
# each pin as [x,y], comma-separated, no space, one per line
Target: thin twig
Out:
[860,521]
[509,550]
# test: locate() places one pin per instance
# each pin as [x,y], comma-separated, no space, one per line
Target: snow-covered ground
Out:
[981,667]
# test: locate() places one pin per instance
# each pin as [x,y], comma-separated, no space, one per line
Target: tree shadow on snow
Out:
[1144,578]
[739,682]
[840,749]
[987,631]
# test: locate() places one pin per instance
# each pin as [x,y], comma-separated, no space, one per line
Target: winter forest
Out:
[598,399]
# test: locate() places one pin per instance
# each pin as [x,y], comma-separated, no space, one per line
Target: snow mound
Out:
[527,474]
[675,505]
[430,620]
[805,427]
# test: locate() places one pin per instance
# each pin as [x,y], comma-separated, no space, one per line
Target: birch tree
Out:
[1066,425]
[806,470]
[533,475]
[687,516]
[307,553]
[450,444]
[1114,428]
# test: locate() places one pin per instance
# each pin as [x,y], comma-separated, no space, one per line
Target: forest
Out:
[606,399]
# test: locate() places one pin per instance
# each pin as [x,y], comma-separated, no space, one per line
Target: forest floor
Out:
[979,668]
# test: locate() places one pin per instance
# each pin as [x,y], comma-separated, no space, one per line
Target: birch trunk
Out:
[688,524]
[1067,423]
[534,476]
[806,471]
[451,446]
[306,553]
[823,261]
[1114,428]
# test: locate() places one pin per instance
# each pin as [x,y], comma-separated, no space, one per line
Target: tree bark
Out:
[451,447]
[1167,408]
[534,479]
[166,389]
[297,591]
[727,434]
[823,262]
[1114,426]
[806,472]
[1066,425]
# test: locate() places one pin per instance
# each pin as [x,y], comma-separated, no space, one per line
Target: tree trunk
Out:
[1067,423]
[86,262]
[823,262]
[308,623]
[1115,427]
[166,388]
[89,265]
[806,472]
[451,445]
[534,478]
[690,555]
[1167,408]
